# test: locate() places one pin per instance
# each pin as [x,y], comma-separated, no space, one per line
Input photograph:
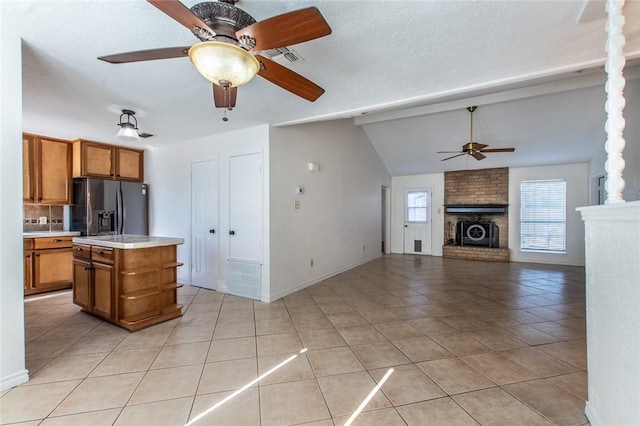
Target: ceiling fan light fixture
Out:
[128,130]
[224,62]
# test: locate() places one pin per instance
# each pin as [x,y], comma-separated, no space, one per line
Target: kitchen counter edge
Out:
[45,234]
[126,241]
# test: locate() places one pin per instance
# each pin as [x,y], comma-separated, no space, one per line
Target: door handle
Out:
[212,231]
[232,232]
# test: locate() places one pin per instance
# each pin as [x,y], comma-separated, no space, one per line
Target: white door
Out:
[417,221]
[244,266]
[245,207]
[204,223]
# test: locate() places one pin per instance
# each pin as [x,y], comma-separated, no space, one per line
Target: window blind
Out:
[543,216]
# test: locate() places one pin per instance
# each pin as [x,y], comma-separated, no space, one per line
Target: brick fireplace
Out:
[476,224]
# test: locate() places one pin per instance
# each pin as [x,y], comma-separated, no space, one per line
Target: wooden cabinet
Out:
[48,264]
[95,159]
[93,281]
[133,288]
[28,264]
[46,170]
[82,283]
[103,288]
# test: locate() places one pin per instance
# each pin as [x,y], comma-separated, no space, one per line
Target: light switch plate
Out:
[43,220]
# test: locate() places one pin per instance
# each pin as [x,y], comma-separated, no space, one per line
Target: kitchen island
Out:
[128,280]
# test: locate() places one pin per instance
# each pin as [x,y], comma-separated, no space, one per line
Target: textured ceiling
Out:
[381,56]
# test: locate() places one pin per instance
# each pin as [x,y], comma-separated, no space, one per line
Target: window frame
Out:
[556,217]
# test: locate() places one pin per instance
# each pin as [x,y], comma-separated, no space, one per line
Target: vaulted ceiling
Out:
[404,70]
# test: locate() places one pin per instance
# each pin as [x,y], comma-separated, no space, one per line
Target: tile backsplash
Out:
[33,212]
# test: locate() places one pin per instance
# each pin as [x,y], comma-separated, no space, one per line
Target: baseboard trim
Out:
[318,279]
[14,379]
[591,416]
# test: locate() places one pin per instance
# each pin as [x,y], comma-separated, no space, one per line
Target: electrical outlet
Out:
[311,263]
[43,220]
[296,205]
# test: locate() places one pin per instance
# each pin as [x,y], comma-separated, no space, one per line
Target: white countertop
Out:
[42,234]
[128,241]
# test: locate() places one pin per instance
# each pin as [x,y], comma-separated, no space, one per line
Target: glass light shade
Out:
[218,62]
[127,132]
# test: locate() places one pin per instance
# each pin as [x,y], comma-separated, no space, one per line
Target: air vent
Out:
[283,54]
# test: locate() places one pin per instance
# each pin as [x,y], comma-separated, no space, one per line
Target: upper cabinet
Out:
[94,159]
[46,173]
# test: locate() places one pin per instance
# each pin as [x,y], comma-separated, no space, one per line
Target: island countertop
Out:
[45,234]
[128,241]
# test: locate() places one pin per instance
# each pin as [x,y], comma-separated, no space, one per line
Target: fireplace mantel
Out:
[476,208]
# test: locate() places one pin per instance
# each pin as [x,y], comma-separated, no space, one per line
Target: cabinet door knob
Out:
[100,252]
[79,249]
[57,241]
[212,231]
[232,232]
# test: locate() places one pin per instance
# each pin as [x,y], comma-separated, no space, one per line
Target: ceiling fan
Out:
[233,33]
[472,148]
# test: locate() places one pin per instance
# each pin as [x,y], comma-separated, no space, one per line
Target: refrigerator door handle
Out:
[119,212]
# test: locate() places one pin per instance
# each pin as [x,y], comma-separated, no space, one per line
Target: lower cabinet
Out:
[103,286]
[93,284]
[47,265]
[82,283]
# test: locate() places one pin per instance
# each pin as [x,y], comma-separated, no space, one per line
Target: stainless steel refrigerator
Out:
[104,207]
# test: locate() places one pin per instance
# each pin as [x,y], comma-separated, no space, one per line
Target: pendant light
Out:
[128,130]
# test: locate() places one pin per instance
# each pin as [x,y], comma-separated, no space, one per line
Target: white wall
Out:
[576,177]
[340,210]
[399,184]
[613,317]
[577,196]
[12,340]
[169,174]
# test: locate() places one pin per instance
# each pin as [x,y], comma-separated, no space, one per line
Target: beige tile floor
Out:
[469,343]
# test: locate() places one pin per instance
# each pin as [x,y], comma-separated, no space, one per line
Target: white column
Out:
[614,106]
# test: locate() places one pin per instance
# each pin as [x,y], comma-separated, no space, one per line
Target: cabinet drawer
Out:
[52,242]
[102,254]
[81,251]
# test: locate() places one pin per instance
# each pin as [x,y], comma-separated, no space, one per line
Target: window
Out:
[417,206]
[543,222]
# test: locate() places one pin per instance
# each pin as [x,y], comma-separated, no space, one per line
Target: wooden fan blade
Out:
[473,145]
[450,152]
[288,80]
[478,156]
[287,29]
[498,150]
[181,13]
[449,158]
[224,98]
[147,55]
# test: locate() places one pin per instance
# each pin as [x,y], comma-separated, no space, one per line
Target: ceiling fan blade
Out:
[450,152]
[147,55]
[224,97]
[180,13]
[449,158]
[287,29]
[498,150]
[478,156]
[288,80]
